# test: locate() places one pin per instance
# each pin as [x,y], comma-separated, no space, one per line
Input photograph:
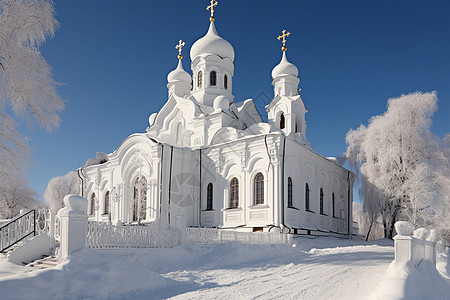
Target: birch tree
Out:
[27,87]
[397,154]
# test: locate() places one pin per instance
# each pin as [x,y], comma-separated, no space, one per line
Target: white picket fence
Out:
[100,235]
[213,236]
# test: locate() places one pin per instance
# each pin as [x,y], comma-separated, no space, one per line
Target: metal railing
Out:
[17,229]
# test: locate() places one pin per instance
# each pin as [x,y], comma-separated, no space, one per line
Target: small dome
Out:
[179,74]
[152,118]
[221,102]
[212,43]
[284,68]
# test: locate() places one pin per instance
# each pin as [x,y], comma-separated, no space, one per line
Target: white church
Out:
[212,161]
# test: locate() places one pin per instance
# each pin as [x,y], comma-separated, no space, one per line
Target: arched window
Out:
[234,193]
[258,189]
[282,121]
[92,208]
[225,82]
[333,205]
[290,192]
[199,79]
[321,201]
[209,197]
[212,78]
[106,207]
[307,197]
[140,199]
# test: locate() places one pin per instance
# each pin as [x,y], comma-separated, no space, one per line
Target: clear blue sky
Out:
[113,58]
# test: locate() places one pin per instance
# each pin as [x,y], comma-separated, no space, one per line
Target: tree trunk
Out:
[368,232]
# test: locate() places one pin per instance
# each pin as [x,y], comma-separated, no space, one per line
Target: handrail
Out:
[17,229]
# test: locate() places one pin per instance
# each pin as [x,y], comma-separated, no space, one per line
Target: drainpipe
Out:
[79,172]
[200,201]
[349,218]
[170,181]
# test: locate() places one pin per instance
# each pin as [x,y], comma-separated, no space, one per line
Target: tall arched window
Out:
[199,79]
[212,78]
[307,197]
[282,121]
[321,201]
[333,205]
[225,82]
[106,207]
[290,192]
[234,193]
[92,208]
[209,197]
[258,189]
[140,199]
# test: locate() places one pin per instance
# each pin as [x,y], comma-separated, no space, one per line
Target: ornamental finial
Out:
[179,47]
[211,8]
[283,39]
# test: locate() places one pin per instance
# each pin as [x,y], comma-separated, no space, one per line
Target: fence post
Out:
[403,241]
[73,224]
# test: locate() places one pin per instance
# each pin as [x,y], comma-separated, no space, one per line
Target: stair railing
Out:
[17,229]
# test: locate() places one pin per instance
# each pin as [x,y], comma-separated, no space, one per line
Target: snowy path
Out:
[350,272]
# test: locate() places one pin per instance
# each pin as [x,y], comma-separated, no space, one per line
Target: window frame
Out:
[322,211]
[92,204]
[234,193]
[209,196]
[213,78]
[199,79]
[106,203]
[258,189]
[307,197]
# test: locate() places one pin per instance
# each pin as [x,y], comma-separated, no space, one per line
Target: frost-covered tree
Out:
[15,194]
[59,187]
[397,154]
[26,84]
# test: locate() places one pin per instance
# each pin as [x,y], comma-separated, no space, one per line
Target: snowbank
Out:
[404,281]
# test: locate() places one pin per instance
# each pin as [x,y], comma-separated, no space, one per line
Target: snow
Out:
[322,268]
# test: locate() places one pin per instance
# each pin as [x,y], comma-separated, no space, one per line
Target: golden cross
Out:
[283,39]
[211,7]
[179,47]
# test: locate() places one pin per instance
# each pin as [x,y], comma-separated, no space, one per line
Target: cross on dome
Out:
[283,39]
[211,8]
[179,47]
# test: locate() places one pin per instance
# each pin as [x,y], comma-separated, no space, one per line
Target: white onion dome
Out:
[212,43]
[221,102]
[179,74]
[284,68]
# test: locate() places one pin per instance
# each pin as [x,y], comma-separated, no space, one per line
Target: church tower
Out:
[212,65]
[287,111]
[179,81]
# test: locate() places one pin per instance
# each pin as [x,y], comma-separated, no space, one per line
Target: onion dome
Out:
[212,43]
[179,74]
[284,68]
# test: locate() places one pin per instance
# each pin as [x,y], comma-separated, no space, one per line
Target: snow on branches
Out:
[399,161]
[26,83]
[59,187]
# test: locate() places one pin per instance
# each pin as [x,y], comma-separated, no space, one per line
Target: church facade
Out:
[213,162]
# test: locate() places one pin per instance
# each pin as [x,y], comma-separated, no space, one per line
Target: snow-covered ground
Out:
[322,268]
